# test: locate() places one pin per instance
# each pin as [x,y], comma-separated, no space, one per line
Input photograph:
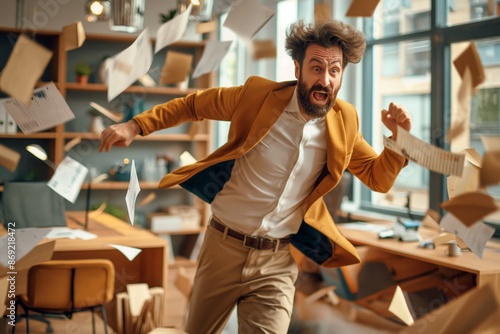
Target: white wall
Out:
[55,14]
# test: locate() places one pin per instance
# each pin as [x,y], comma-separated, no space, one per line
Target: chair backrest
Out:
[32,204]
[333,199]
[68,285]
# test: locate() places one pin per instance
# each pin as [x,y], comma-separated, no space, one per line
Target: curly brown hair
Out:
[325,33]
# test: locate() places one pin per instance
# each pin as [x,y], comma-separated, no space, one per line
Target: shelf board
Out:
[123,185]
[152,137]
[37,135]
[95,87]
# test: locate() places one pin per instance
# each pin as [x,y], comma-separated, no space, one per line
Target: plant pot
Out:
[82,79]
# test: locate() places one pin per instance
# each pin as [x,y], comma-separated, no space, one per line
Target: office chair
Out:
[32,204]
[64,287]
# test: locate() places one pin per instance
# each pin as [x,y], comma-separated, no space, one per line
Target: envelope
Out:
[469,58]
[489,174]
[363,8]
[470,207]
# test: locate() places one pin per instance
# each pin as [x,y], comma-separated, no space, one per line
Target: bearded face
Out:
[316,100]
[319,77]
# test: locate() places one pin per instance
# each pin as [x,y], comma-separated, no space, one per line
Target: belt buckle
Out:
[248,237]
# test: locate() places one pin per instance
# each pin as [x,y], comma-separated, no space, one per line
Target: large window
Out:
[411,46]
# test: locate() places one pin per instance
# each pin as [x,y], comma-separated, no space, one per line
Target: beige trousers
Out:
[261,283]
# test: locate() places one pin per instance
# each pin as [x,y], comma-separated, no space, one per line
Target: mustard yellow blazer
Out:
[252,109]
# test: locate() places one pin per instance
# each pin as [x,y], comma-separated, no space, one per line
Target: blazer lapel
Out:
[336,143]
[271,110]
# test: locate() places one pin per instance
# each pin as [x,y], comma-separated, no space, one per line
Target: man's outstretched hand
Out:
[120,135]
[394,116]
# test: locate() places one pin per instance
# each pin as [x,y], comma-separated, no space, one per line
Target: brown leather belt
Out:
[251,241]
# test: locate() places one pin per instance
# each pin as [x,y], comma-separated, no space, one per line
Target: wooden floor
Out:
[317,318]
[338,321]
[81,323]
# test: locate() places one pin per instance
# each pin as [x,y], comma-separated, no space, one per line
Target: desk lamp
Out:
[40,153]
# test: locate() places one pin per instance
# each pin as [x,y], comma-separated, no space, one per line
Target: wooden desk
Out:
[486,270]
[150,266]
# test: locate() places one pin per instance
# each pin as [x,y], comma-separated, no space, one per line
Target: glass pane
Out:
[464,11]
[286,15]
[485,102]
[402,75]
[228,68]
[396,17]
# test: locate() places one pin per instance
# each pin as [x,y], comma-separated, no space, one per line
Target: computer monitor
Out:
[32,204]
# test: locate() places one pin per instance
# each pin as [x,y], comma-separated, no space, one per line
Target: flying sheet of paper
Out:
[132,192]
[489,174]
[171,31]
[468,182]
[25,66]
[9,158]
[68,178]
[491,143]
[470,207]
[264,48]
[72,143]
[74,36]
[246,18]
[129,65]
[47,109]
[129,252]
[138,294]
[112,115]
[400,308]
[206,27]
[176,68]
[427,155]
[470,59]
[187,159]
[431,219]
[322,11]
[212,56]
[473,156]
[70,233]
[362,8]
[148,199]
[26,240]
[459,135]
[474,236]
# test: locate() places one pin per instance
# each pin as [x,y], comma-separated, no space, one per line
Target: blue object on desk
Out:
[409,224]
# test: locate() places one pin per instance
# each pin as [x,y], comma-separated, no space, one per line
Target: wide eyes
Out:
[332,71]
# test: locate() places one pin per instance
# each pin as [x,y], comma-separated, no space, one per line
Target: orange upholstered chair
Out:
[69,286]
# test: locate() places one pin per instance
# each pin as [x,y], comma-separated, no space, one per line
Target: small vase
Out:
[96,124]
[82,79]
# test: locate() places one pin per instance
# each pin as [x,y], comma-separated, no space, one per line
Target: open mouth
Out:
[320,97]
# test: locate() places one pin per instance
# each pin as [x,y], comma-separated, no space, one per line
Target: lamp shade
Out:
[128,15]
[40,153]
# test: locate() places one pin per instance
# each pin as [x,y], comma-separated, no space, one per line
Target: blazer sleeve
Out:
[377,171]
[212,103]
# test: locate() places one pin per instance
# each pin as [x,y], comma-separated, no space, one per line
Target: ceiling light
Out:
[98,10]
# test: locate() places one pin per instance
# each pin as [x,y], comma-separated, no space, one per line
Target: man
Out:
[288,145]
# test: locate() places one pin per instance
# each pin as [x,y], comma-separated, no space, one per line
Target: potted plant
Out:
[168,16]
[82,71]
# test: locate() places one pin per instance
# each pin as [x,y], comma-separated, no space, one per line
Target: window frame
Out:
[442,37]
